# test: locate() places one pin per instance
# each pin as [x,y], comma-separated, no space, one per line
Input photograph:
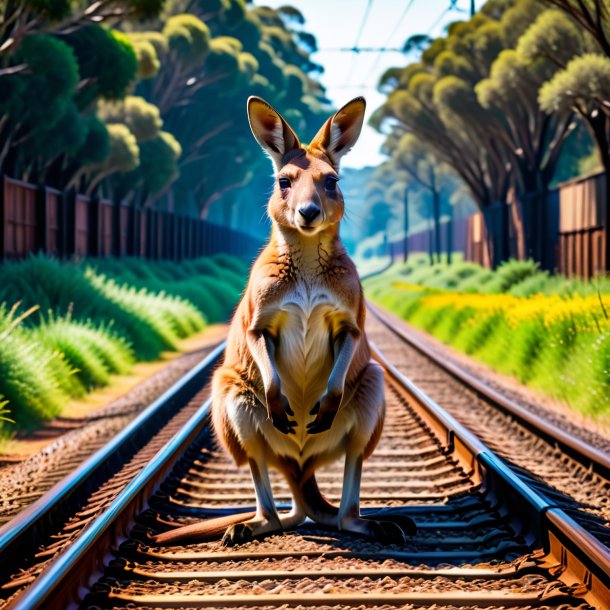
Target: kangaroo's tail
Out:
[207,529]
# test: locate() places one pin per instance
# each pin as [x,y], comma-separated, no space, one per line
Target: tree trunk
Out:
[436,204]
[504,237]
[600,128]
[431,245]
[405,254]
[450,235]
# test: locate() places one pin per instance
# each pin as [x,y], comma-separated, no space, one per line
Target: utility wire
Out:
[451,6]
[390,36]
[360,50]
[365,17]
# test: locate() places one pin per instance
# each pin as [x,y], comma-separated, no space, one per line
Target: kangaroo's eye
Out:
[284,183]
[330,184]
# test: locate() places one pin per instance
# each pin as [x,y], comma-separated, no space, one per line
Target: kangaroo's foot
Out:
[406,524]
[240,533]
[384,532]
[257,527]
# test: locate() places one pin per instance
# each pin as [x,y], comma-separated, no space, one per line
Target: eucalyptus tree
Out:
[472,99]
[206,72]
[421,166]
[580,82]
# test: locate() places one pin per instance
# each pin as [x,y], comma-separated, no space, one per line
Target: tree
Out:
[593,16]
[34,103]
[18,20]
[473,99]
[580,82]
[415,158]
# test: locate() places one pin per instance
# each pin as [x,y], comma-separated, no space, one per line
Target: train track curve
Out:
[492,531]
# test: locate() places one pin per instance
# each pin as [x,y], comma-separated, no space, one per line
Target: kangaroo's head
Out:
[306,196]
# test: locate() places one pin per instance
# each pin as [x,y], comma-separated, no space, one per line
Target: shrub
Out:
[93,352]
[536,283]
[510,273]
[558,343]
[29,373]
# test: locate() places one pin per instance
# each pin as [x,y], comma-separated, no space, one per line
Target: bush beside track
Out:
[66,327]
[549,332]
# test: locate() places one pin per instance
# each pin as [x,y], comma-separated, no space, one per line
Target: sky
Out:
[341,23]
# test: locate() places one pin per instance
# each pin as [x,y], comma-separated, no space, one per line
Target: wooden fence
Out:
[575,230]
[65,224]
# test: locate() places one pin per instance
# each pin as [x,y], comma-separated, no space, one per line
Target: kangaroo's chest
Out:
[304,355]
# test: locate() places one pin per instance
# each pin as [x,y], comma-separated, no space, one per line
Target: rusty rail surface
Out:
[486,536]
[23,536]
[572,445]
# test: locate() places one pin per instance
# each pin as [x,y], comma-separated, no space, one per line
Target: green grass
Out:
[549,332]
[76,324]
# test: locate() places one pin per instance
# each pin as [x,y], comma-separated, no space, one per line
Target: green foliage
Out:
[214,290]
[109,70]
[96,146]
[585,79]
[95,318]
[511,273]
[38,99]
[147,56]
[124,153]
[92,352]
[550,333]
[188,37]
[28,371]
[151,322]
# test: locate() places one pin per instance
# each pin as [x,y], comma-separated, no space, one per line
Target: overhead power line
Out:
[360,50]
[390,36]
[365,17]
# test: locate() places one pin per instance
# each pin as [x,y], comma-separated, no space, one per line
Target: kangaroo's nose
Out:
[309,211]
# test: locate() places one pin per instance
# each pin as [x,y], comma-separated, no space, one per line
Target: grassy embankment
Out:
[550,332]
[66,327]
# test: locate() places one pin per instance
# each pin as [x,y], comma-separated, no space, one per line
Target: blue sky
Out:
[336,23]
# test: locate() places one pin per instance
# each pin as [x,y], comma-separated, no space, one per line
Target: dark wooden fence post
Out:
[41,218]
[68,223]
[2,217]
[116,228]
[93,227]
[130,242]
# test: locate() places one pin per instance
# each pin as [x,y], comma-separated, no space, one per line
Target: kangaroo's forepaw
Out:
[237,534]
[279,409]
[282,423]
[322,422]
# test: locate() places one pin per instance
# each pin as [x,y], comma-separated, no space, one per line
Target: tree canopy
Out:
[144,100]
[493,100]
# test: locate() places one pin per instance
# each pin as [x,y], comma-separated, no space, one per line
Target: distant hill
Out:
[353,186]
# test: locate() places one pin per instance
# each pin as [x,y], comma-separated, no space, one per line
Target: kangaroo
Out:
[298,388]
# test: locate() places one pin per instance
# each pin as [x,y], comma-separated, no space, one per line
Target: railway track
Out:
[491,531]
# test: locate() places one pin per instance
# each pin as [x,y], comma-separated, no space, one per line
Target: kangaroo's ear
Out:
[340,132]
[271,130]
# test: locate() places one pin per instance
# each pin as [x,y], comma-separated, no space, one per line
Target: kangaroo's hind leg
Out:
[266,520]
[367,407]
[236,410]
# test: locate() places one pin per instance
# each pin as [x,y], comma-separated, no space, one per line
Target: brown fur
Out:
[298,337]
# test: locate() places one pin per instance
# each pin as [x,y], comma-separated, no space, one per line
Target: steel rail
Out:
[583,559]
[570,444]
[50,590]
[28,529]
[576,550]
